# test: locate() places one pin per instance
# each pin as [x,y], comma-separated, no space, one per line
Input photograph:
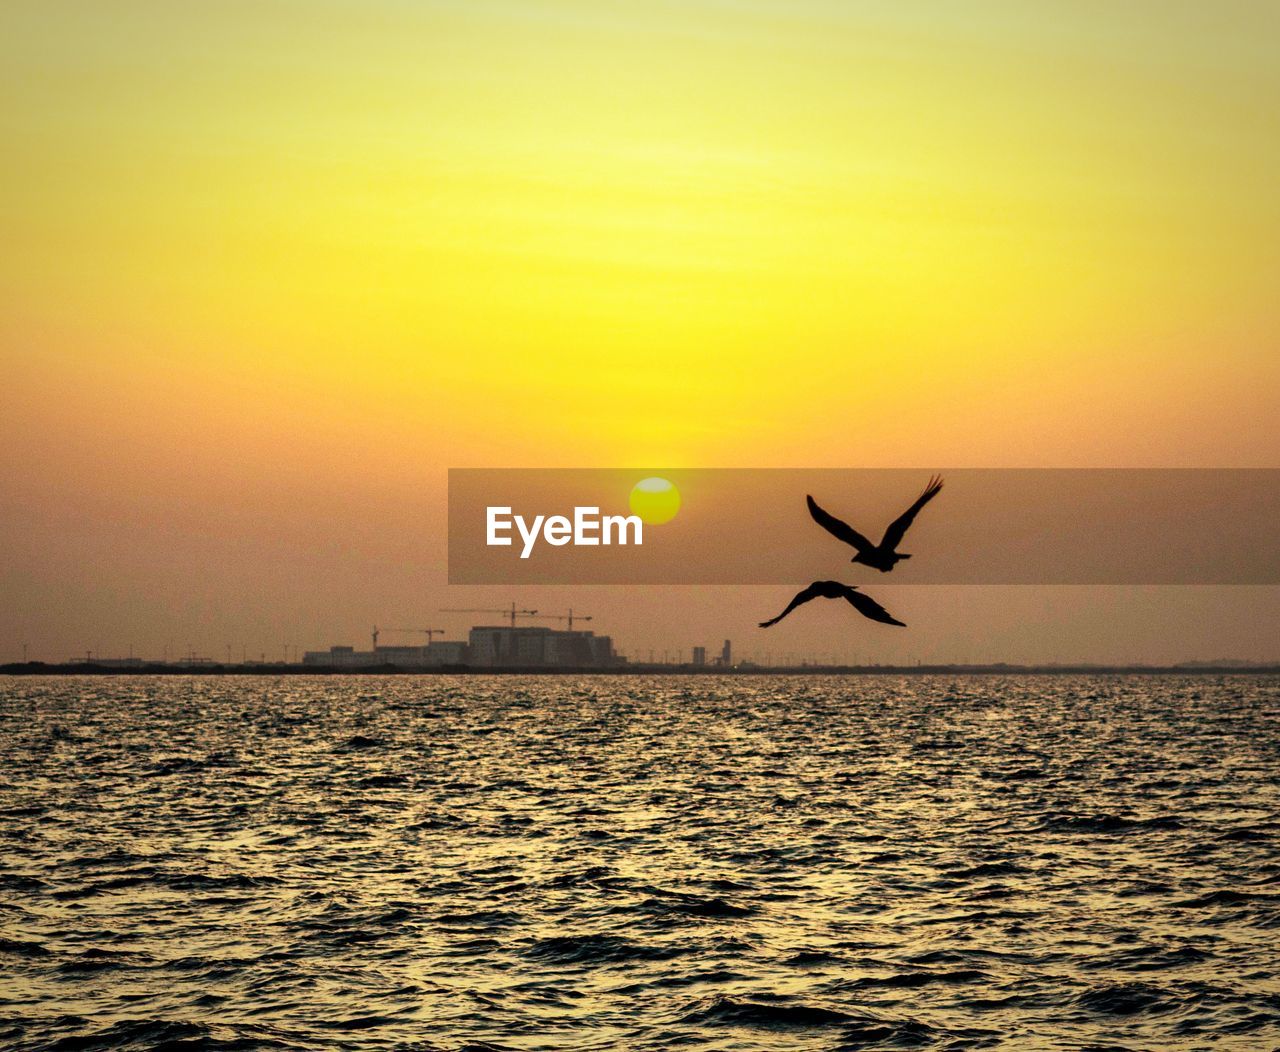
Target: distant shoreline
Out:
[36,668]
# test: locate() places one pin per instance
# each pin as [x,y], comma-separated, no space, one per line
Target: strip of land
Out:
[80,668]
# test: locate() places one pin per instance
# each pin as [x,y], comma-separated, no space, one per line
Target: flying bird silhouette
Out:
[864,604]
[883,556]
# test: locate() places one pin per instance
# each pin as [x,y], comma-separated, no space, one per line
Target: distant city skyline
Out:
[969,625]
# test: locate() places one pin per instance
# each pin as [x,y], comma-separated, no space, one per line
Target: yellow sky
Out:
[250,248]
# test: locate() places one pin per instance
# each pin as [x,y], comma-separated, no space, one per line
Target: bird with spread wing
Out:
[883,556]
[864,604]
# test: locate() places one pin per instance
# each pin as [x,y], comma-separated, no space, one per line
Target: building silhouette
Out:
[487,646]
[427,655]
[491,646]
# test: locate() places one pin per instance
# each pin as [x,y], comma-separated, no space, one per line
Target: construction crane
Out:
[570,617]
[513,613]
[430,633]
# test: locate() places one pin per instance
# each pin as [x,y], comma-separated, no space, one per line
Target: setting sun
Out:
[655,500]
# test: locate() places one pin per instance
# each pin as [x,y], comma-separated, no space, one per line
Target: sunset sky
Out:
[270,269]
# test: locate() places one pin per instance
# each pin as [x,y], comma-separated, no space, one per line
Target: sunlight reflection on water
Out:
[641,863]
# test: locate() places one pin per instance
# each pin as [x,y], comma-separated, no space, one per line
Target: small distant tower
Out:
[699,655]
[726,654]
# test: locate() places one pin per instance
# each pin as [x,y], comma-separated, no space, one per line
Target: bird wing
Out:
[837,528]
[868,607]
[898,528]
[801,597]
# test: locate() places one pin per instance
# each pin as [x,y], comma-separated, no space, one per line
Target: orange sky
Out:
[270,269]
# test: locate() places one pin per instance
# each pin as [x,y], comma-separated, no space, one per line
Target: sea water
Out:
[615,862]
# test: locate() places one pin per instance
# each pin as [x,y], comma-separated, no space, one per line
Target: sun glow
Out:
[270,269]
[655,500]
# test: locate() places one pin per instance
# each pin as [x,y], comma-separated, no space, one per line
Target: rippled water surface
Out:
[640,863]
